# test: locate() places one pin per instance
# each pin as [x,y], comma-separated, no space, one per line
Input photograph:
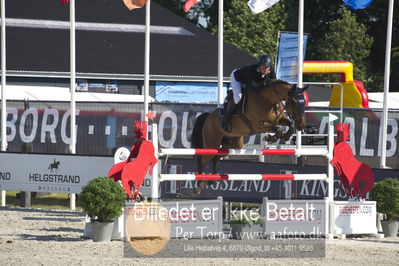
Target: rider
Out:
[253,77]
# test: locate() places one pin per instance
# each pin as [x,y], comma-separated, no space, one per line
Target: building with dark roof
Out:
[110,43]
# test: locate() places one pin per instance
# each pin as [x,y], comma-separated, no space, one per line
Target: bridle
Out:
[294,93]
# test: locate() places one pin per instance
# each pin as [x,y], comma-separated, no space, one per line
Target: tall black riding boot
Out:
[231,106]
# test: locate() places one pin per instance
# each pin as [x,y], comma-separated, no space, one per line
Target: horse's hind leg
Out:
[215,161]
[213,141]
[200,168]
[202,160]
[200,165]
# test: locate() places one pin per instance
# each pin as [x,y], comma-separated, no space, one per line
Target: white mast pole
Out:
[300,61]
[300,42]
[220,53]
[147,59]
[3,89]
[386,85]
[72,39]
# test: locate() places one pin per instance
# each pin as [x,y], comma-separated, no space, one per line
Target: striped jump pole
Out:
[181,177]
[240,152]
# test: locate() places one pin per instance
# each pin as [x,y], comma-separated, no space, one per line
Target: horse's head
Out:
[295,105]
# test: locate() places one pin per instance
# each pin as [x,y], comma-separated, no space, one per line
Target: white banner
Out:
[50,173]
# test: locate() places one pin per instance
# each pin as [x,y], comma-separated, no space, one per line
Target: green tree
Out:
[348,40]
[395,69]
[375,17]
[254,34]
[196,14]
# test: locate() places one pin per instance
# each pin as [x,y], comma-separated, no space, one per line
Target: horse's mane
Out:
[276,83]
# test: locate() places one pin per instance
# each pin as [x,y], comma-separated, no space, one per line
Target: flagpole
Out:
[386,85]
[300,42]
[3,78]
[220,53]
[3,89]
[300,63]
[72,146]
[147,59]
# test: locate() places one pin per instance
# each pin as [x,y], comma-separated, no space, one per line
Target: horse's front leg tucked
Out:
[272,129]
[287,135]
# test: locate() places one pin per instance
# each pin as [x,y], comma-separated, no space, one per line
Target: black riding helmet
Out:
[265,60]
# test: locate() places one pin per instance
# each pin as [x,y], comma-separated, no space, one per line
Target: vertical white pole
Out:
[147,60]
[155,172]
[3,89]
[330,223]
[386,85]
[300,63]
[72,146]
[300,42]
[331,119]
[3,78]
[3,198]
[220,53]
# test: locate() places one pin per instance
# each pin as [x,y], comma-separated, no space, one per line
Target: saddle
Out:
[240,108]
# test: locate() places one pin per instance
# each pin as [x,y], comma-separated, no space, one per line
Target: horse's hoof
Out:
[266,138]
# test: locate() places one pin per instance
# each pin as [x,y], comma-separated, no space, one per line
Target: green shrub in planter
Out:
[386,193]
[242,225]
[102,199]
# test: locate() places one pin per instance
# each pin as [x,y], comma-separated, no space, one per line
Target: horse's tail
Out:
[196,136]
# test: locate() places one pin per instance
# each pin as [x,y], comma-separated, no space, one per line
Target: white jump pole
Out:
[331,119]
[155,170]
[236,177]
[241,152]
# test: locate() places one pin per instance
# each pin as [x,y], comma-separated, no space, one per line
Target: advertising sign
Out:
[287,57]
[200,92]
[354,217]
[50,173]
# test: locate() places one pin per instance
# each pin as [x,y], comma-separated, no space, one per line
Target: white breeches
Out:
[236,87]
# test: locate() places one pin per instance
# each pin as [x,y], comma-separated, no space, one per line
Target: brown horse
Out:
[264,112]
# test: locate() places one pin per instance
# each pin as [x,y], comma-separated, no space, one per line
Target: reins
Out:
[284,106]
